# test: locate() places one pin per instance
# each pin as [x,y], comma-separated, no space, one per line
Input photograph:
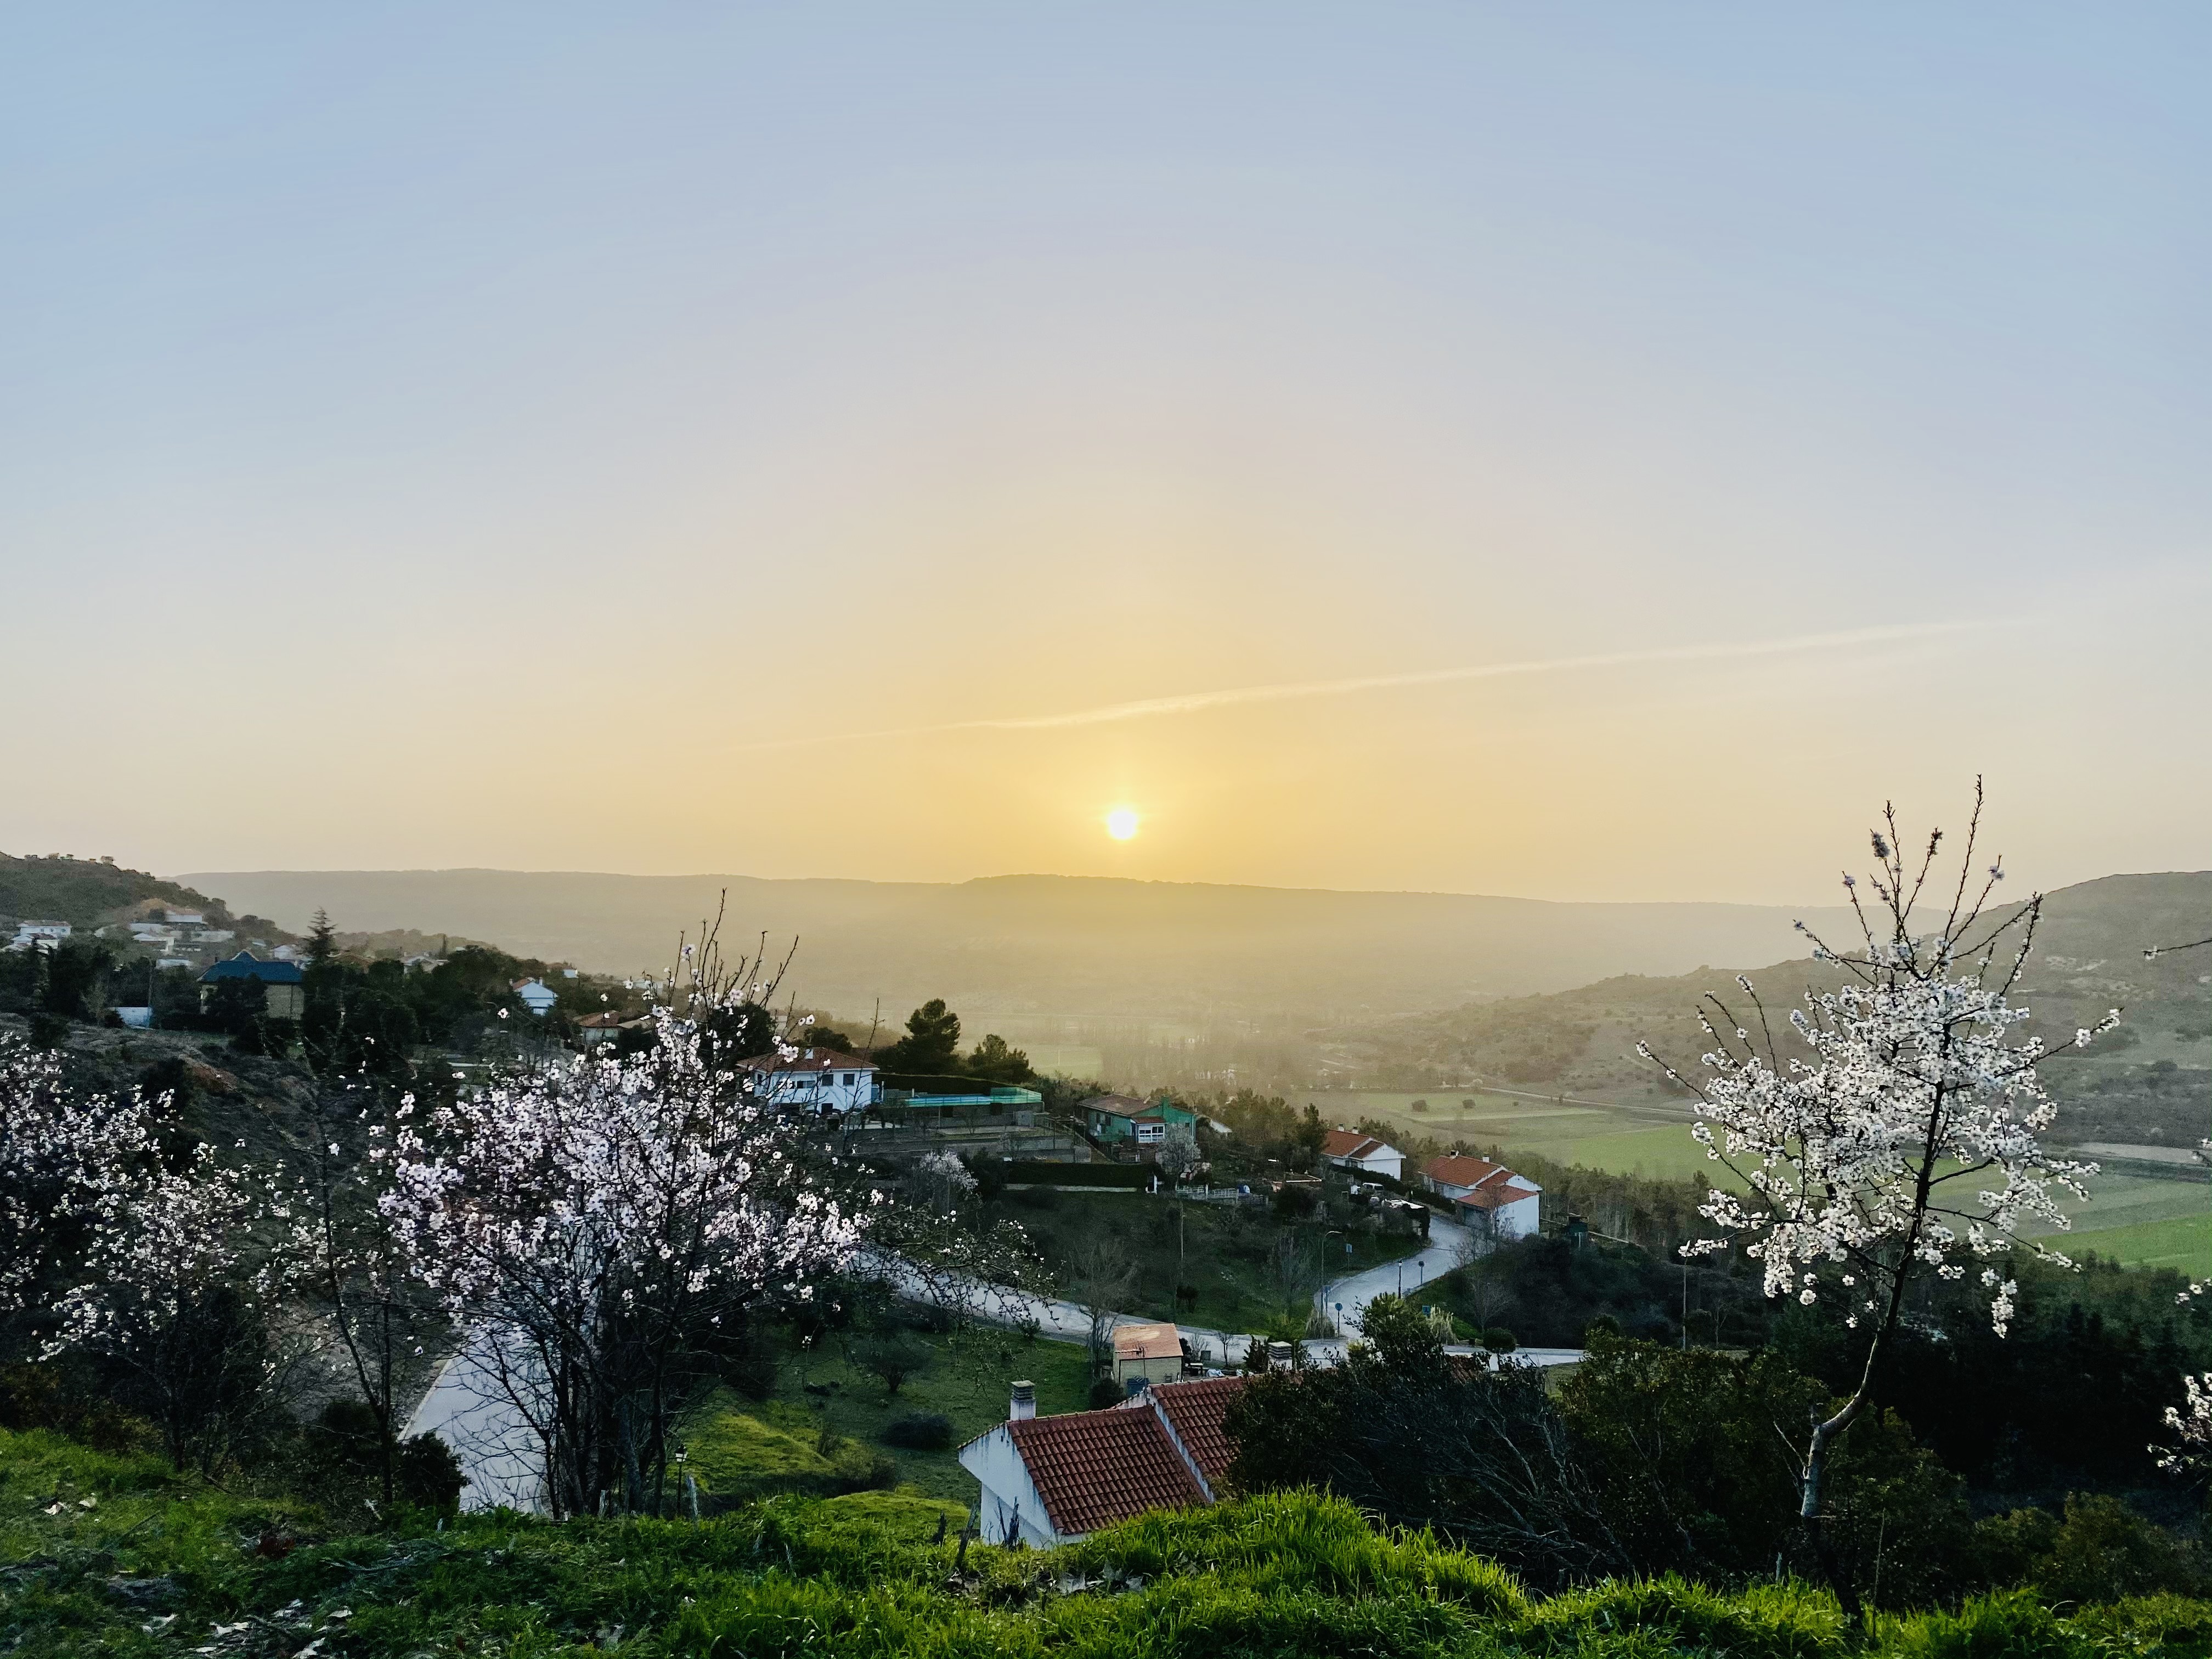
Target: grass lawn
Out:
[1229,1252]
[2182,1242]
[739,1442]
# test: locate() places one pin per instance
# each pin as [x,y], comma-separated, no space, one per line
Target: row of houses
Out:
[1488,1198]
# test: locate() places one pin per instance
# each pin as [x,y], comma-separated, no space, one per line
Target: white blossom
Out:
[597,1215]
[2191,1422]
[1907,1120]
[59,1148]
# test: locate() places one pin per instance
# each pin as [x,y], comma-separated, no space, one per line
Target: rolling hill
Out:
[2149,1081]
[1053,946]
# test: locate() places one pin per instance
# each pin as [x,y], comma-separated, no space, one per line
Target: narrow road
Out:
[467,1408]
[1342,1301]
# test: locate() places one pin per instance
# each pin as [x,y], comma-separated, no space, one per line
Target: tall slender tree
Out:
[1894,1126]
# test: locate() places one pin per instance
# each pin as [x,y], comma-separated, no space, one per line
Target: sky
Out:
[1586,452]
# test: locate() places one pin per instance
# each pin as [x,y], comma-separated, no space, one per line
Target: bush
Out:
[892,1359]
[342,1460]
[1106,1391]
[1498,1339]
[2101,1551]
[1294,1203]
[920,1431]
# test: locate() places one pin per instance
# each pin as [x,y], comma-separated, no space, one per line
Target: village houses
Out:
[816,1080]
[1488,1198]
[1348,1149]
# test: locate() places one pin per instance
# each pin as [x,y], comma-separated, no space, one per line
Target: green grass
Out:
[1286,1576]
[2182,1242]
[968,1381]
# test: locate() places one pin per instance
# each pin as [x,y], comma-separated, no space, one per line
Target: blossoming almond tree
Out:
[343,1254]
[2191,1423]
[1902,1132]
[55,1142]
[604,1224]
[176,1294]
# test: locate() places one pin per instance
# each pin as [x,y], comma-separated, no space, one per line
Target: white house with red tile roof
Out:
[816,1079]
[1049,1480]
[1493,1200]
[1350,1150]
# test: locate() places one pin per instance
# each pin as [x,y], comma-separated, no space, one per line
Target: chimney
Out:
[1278,1355]
[1023,1406]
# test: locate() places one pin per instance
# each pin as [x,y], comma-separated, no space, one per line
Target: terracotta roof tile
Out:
[1093,1468]
[1496,1194]
[1147,1342]
[810,1060]
[1349,1143]
[1121,1106]
[1197,1412]
[1459,1171]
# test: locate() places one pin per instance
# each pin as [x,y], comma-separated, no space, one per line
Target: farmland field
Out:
[2183,1242]
[2136,1213]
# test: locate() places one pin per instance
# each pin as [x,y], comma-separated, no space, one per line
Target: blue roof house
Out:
[283,983]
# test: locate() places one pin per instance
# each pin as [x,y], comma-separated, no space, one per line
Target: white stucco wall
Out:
[1008,1490]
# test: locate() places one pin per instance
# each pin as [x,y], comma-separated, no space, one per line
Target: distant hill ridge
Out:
[85,892]
[1055,944]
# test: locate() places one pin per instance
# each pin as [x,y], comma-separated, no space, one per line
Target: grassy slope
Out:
[1282,1577]
[2184,1243]
[966,1382]
[2088,957]
[83,891]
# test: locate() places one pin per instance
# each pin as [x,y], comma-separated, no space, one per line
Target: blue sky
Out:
[415,418]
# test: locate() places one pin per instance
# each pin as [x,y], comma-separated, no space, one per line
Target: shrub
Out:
[341,1460]
[2101,1551]
[1294,1203]
[920,1431]
[1106,1391]
[892,1359]
[1498,1339]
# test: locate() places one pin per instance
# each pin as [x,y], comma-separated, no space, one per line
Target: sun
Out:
[1122,822]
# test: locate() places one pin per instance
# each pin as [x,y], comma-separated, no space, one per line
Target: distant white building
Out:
[184,917]
[1350,1150]
[535,996]
[38,935]
[817,1079]
[1489,1198]
[213,935]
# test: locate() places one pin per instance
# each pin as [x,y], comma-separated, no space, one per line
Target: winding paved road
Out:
[1341,1301]
[499,1455]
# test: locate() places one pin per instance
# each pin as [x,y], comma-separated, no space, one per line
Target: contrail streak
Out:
[1190,702]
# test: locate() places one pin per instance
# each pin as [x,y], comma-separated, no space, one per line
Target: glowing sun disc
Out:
[1122,822]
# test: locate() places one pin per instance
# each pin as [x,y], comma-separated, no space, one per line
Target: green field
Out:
[1066,1058]
[1573,1132]
[2183,1242]
[1228,1255]
[2135,1213]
